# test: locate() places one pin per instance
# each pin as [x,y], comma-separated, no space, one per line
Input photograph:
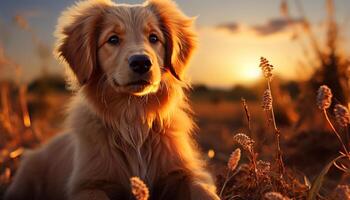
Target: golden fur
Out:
[115,130]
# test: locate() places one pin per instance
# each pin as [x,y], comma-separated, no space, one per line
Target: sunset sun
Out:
[247,70]
[251,73]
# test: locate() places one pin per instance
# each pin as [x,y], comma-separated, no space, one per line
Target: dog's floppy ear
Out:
[179,35]
[76,34]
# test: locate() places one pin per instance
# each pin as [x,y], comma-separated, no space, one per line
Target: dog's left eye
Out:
[153,38]
[113,40]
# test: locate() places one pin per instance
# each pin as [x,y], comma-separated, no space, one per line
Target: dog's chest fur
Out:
[135,146]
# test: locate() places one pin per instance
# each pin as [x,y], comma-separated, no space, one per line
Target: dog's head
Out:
[134,48]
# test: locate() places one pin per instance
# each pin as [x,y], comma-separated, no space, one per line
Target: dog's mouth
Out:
[141,87]
[139,83]
[138,88]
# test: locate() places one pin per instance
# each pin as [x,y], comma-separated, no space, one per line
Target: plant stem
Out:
[224,185]
[253,156]
[228,178]
[272,112]
[335,131]
[247,114]
[278,135]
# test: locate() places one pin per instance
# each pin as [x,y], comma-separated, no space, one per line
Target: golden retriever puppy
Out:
[129,116]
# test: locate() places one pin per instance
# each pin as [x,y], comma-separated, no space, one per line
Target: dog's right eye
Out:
[113,40]
[153,38]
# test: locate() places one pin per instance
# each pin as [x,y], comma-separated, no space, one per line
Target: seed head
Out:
[342,192]
[266,68]
[324,97]
[342,115]
[275,196]
[234,159]
[267,100]
[245,141]
[139,189]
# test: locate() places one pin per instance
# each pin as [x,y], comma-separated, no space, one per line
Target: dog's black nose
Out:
[140,63]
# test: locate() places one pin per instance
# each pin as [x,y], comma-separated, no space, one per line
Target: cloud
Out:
[232,27]
[274,26]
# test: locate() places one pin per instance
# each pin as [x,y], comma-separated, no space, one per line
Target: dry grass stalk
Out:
[248,145]
[324,100]
[347,75]
[43,50]
[324,97]
[247,114]
[284,8]
[5,109]
[21,22]
[267,100]
[342,115]
[245,141]
[232,166]
[24,107]
[266,68]
[139,189]
[267,105]
[306,25]
[234,159]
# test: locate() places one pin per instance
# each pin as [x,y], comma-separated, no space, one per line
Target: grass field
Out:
[306,150]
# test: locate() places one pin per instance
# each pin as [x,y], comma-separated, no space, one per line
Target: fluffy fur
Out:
[116,130]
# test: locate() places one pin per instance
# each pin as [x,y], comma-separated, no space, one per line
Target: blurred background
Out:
[306,41]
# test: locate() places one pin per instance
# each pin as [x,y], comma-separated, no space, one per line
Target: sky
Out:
[233,35]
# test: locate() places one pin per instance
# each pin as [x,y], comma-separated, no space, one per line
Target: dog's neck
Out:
[131,117]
